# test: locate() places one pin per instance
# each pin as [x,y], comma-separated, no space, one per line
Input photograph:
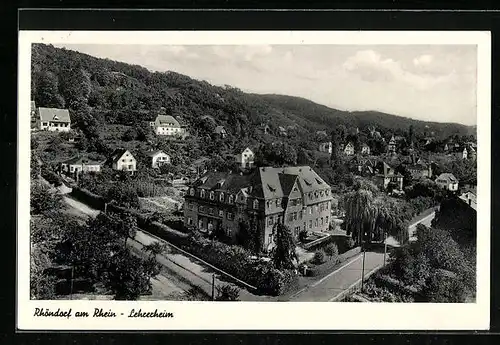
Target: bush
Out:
[332,251]
[350,243]
[303,236]
[319,257]
[227,293]
[51,176]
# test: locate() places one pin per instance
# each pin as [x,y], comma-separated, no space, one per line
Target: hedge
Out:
[51,176]
[89,198]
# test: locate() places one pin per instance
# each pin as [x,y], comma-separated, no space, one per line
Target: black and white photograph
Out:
[261,172]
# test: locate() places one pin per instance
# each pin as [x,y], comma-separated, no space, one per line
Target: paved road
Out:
[427,220]
[343,278]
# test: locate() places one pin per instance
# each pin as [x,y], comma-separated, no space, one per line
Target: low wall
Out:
[317,242]
[350,253]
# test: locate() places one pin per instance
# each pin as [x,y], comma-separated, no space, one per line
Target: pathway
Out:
[349,274]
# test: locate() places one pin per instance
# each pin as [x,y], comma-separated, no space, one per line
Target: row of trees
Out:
[95,251]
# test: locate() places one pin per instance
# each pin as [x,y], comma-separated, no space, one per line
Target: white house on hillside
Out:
[245,159]
[365,149]
[80,164]
[167,125]
[158,158]
[122,159]
[447,181]
[349,149]
[326,147]
[54,119]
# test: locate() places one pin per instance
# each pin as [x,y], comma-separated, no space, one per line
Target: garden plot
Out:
[160,204]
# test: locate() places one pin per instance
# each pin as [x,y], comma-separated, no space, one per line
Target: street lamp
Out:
[363,269]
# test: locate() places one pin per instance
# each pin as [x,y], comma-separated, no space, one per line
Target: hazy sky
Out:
[427,82]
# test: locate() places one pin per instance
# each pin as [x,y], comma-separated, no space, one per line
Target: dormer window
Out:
[321,193]
[277,202]
[221,197]
[212,195]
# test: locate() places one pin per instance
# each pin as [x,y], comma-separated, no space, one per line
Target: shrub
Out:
[332,251]
[227,293]
[319,257]
[51,176]
[350,243]
[303,236]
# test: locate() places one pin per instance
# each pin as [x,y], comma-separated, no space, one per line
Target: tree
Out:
[127,225]
[130,134]
[445,287]
[47,90]
[334,156]
[359,216]
[127,276]
[42,200]
[227,293]
[332,250]
[283,253]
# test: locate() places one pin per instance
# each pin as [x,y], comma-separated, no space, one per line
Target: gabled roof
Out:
[54,115]
[287,181]
[167,121]
[117,154]
[448,177]
[155,152]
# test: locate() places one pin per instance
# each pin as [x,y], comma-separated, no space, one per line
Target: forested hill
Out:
[118,93]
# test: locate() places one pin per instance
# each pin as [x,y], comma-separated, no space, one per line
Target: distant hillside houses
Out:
[386,177]
[245,159]
[80,164]
[158,158]
[349,149]
[123,160]
[54,119]
[326,147]
[447,181]
[220,131]
[282,131]
[167,125]
[391,146]
[365,149]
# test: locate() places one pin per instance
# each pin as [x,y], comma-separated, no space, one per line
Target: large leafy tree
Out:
[283,253]
[47,90]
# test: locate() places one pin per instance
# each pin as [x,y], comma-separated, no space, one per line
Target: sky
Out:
[424,82]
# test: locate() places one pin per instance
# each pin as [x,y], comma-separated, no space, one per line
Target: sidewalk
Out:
[349,274]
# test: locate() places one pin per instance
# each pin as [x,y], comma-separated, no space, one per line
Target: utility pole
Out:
[213,287]
[385,246]
[363,269]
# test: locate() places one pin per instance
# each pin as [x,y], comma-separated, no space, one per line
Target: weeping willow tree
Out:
[372,214]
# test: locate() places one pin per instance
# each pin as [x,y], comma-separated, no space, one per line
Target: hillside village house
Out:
[391,146]
[365,149]
[246,159]
[385,175]
[158,158]
[265,128]
[220,131]
[294,196]
[123,160]
[54,119]
[167,125]
[80,164]
[349,149]
[282,131]
[460,153]
[447,181]
[418,170]
[325,147]
[470,198]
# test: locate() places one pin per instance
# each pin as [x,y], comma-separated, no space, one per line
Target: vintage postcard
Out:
[210,180]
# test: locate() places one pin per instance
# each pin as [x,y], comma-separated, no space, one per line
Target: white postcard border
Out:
[260,315]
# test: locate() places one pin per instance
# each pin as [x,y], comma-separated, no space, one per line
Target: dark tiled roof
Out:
[117,154]
[154,153]
[79,160]
[166,120]
[449,177]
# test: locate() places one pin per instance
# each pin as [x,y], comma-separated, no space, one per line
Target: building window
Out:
[230,199]
[221,213]
[202,193]
[221,197]
[268,204]
[310,224]
[229,216]
[190,221]
[211,210]
[270,221]
[277,202]
[321,221]
[321,193]
[300,214]
[191,191]
[202,208]
[256,204]
[326,220]
[310,209]
[212,195]
[316,223]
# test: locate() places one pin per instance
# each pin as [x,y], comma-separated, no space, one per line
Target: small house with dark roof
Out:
[365,149]
[220,131]
[326,147]
[80,164]
[386,176]
[447,181]
[54,119]
[158,158]
[391,146]
[349,149]
[123,160]
[245,159]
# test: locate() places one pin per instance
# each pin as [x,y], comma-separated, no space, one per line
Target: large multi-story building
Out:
[294,196]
